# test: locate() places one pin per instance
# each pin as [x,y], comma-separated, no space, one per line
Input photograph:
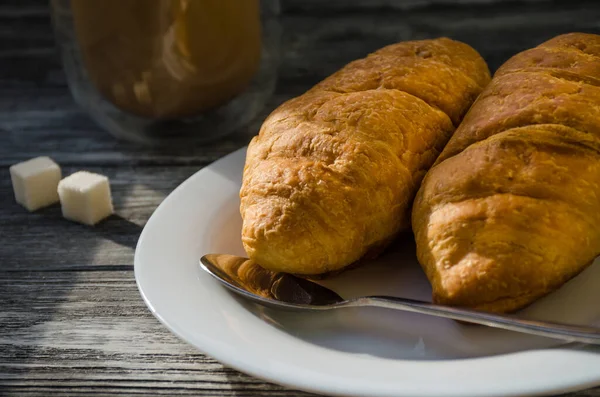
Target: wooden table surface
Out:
[71,319]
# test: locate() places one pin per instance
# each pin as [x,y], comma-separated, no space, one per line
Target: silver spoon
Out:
[285,291]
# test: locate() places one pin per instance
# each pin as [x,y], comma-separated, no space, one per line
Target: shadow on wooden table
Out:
[114,228]
[119,230]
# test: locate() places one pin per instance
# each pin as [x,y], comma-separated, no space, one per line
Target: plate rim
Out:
[282,378]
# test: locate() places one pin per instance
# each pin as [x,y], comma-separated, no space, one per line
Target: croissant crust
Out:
[511,209]
[331,176]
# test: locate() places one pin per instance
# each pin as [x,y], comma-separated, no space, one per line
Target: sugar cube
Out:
[35,181]
[85,197]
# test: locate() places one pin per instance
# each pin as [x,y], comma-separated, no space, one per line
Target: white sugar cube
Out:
[35,181]
[85,197]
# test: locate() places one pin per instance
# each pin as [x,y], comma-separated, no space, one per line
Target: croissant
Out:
[511,209]
[332,174]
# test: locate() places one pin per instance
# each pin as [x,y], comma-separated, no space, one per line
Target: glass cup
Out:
[163,71]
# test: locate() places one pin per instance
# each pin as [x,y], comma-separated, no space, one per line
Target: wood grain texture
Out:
[72,322]
[88,332]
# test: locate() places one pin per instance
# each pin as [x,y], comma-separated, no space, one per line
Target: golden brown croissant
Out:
[332,174]
[511,209]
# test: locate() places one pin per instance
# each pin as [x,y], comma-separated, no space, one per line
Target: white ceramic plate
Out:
[353,352]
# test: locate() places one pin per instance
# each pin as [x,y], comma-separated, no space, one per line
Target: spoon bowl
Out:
[278,290]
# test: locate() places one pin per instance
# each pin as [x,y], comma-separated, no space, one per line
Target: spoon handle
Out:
[567,332]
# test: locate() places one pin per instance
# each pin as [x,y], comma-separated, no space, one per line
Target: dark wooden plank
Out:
[89,333]
[318,6]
